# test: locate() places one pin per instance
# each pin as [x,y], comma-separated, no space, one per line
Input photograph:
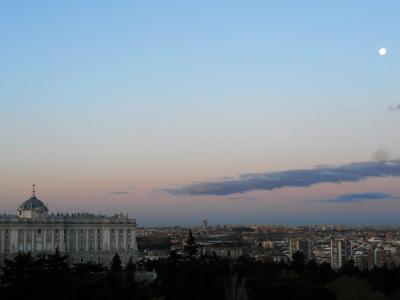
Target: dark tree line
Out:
[51,277]
[193,277]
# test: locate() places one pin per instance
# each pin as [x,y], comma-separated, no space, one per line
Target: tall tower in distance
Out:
[204,225]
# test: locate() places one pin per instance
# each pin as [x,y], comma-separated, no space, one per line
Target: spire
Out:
[33,190]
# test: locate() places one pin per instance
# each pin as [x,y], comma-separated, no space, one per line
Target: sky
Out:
[244,112]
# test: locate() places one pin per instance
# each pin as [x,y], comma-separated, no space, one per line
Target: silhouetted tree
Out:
[54,273]
[129,272]
[190,247]
[20,271]
[88,269]
[173,255]
[354,288]
[349,268]
[56,262]
[116,268]
[235,289]
[298,262]
[195,278]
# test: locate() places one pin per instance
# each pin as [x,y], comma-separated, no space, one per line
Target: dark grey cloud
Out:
[119,192]
[352,172]
[241,198]
[381,155]
[394,107]
[358,197]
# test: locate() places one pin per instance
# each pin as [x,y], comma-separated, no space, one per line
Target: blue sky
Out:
[99,95]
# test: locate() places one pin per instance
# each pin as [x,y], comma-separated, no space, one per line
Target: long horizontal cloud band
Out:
[359,197]
[352,172]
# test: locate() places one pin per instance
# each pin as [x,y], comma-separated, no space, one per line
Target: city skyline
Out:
[280,113]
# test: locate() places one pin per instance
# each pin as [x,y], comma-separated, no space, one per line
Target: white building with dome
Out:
[83,237]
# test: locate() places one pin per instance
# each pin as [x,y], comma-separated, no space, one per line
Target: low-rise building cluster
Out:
[364,246]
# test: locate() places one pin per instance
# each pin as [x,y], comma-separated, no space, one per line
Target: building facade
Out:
[299,245]
[341,251]
[83,237]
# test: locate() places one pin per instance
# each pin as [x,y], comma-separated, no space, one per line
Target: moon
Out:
[382,51]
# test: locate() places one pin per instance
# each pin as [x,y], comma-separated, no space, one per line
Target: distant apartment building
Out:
[386,255]
[340,252]
[361,261]
[299,245]
[379,257]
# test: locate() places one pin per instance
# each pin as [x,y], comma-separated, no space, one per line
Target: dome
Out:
[33,203]
[33,208]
